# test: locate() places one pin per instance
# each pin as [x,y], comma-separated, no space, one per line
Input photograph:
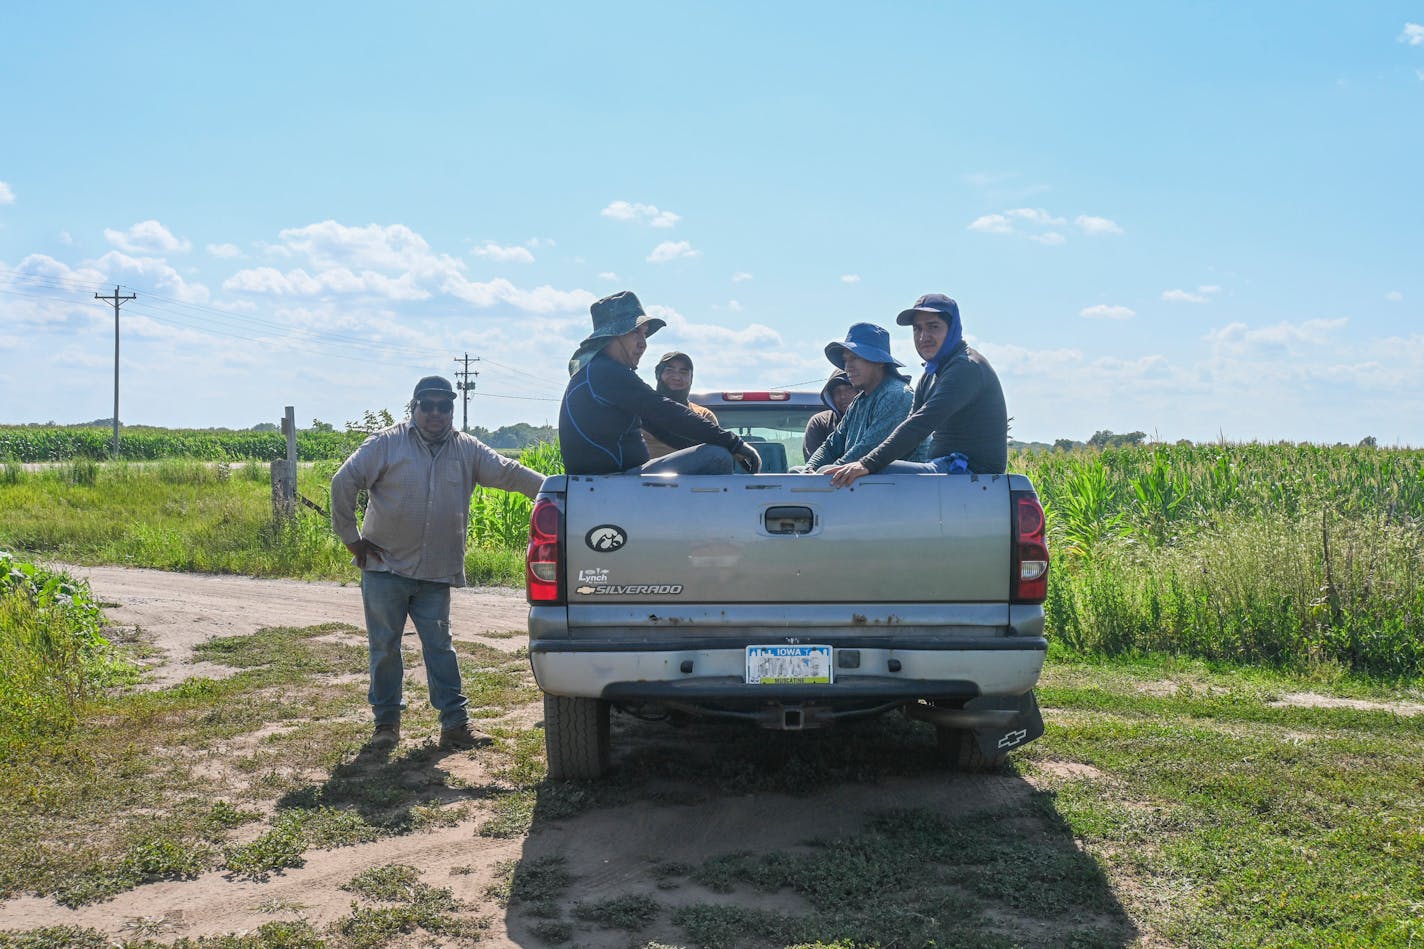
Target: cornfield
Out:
[500,519]
[33,444]
[1296,555]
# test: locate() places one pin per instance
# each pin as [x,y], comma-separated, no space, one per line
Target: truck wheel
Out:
[961,749]
[576,737]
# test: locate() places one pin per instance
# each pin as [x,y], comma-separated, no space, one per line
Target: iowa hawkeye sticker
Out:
[630,589]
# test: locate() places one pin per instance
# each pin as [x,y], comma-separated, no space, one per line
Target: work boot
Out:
[384,738]
[462,737]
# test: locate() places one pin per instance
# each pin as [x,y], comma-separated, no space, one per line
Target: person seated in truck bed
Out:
[958,405]
[673,377]
[606,406]
[836,395]
[882,404]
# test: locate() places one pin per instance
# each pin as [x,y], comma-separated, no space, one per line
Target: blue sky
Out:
[1196,220]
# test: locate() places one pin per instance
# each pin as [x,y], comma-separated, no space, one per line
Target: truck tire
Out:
[575,737]
[961,749]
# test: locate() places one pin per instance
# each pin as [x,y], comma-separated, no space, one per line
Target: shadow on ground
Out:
[732,836]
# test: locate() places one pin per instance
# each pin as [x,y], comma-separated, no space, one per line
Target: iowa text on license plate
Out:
[788,665]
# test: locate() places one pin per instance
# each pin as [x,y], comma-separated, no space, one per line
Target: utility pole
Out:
[117,301]
[466,385]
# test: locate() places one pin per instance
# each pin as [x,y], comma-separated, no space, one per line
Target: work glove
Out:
[747,457]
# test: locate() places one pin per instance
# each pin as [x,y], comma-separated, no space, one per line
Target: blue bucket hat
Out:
[934,303]
[613,316]
[866,340]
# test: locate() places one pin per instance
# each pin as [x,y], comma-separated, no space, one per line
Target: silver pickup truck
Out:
[778,600]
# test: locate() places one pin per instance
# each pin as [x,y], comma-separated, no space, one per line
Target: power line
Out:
[117,301]
[466,385]
[225,324]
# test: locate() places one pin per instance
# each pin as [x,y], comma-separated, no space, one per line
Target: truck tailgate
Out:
[696,539]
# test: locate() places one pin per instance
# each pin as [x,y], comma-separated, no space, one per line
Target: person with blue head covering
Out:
[883,402]
[958,405]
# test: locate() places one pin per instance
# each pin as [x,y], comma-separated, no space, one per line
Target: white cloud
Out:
[157,273]
[850,278]
[503,255]
[608,275]
[298,282]
[146,237]
[992,224]
[7,196]
[672,250]
[393,247]
[543,299]
[741,277]
[647,213]
[66,238]
[1040,225]
[1097,226]
[1035,216]
[734,306]
[1237,340]
[1394,296]
[1183,296]
[1202,294]
[224,251]
[1104,312]
[538,242]
[1413,34]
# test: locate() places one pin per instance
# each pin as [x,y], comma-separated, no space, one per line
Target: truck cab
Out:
[772,422]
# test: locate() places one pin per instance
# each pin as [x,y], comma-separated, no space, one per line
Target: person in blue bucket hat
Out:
[958,405]
[883,403]
[606,407]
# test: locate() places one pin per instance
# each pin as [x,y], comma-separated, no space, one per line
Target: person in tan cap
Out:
[606,407]
[673,375]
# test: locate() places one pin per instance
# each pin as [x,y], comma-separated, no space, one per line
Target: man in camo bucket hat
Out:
[606,406]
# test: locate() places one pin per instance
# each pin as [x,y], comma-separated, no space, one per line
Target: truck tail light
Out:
[1029,583]
[541,559]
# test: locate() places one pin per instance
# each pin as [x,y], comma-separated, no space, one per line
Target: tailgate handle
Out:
[789,519]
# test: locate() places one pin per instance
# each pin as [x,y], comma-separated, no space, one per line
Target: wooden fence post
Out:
[284,472]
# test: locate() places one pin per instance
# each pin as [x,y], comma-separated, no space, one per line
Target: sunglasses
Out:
[443,406]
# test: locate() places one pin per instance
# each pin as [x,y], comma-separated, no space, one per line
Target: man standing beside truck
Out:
[958,405]
[606,406]
[418,476]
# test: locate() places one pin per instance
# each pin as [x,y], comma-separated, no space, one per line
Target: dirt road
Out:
[663,816]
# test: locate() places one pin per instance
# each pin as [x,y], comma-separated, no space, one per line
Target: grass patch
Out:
[151,785]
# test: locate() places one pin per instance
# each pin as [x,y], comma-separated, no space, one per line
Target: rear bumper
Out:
[716,672]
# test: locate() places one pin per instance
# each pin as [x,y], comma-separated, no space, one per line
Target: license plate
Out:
[788,665]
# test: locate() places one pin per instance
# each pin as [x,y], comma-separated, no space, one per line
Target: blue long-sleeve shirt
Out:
[872,416]
[605,408]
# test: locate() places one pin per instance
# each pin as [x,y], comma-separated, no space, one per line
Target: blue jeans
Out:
[388,600]
[697,460]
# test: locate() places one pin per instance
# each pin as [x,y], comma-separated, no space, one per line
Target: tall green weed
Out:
[51,649]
